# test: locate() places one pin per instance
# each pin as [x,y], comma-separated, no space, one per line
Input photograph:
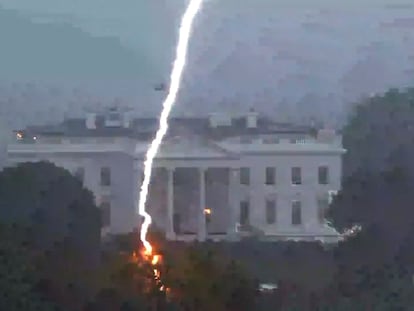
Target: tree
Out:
[62,223]
[378,129]
[201,279]
[378,170]
[17,277]
[377,194]
[196,277]
[51,203]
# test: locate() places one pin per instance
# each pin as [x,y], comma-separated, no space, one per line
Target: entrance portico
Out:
[178,198]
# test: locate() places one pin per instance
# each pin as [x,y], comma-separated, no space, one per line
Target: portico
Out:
[183,194]
[188,203]
[207,182]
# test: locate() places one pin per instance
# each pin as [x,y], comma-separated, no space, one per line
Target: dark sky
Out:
[279,56]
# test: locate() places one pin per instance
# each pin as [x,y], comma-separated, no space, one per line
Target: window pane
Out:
[244,176]
[296,213]
[323,175]
[270,175]
[105,176]
[270,211]
[177,223]
[296,176]
[244,213]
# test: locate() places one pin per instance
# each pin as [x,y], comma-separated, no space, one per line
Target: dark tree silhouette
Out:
[62,225]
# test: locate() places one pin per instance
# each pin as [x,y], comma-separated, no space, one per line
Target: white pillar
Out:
[136,182]
[202,230]
[234,208]
[170,233]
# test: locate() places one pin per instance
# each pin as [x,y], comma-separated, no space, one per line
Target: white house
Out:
[214,177]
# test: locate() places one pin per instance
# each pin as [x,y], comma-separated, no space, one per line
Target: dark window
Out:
[105,176]
[296,176]
[244,176]
[177,223]
[244,213]
[80,174]
[296,213]
[270,211]
[323,204]
[270,176]
[323,175]
[106,213]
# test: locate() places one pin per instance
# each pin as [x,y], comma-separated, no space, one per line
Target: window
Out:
[270,212]
[105,176]
[323,204]
[296,176]
[105,212]
[270,176]
[80,174]
[244,176]
[296,213]
[177,223]
[323,175]
[244,213]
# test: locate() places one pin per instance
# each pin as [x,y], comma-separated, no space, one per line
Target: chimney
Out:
[91,121]
[251,118]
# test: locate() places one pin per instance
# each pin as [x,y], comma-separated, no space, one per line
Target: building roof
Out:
[145,128]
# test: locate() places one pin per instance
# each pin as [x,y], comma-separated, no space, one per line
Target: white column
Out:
[234,208]
[170,233]
[202,230]
[136,182]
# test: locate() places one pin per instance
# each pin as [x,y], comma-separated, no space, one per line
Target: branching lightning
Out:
[175,80]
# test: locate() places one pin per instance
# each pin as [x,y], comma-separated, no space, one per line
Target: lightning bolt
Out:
[175,80]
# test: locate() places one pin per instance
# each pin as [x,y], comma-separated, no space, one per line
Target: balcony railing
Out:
[57,144]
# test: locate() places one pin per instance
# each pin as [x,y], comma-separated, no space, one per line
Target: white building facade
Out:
[218,177]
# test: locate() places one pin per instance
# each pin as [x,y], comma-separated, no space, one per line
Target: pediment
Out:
[190,148]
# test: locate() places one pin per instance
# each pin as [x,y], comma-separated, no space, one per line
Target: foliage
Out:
[62,226]
[374,267]
[379,133]
[17,277]
[55,206]
[201,279]
[378,170]
[197,277]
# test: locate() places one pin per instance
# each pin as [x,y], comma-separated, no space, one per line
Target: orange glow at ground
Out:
[154,260]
